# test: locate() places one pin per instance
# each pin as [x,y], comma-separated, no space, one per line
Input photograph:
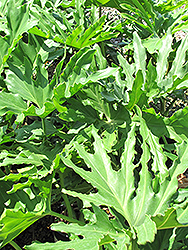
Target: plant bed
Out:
[94,134]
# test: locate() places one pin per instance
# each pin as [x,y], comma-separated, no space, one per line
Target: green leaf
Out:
[109,140]
[27,132]
[50,25]
[134,203]
[153,44]
[78,112]
[76,75]
[158,156]
[9,200]
[139,54]
[136,92]
[19,86]
[151,85]
[177,68]
[169,220]
[177,125]
[128,70]
[114,116]
[11,102]
[182,213]
[162,62]
[36,91]
[79,37]
[25,157]
[97,2]
[15,222]
[99,59]
[67,4]
[92,35]
[146,231]
[79,14]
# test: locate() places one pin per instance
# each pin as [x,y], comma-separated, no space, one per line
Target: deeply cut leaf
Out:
[134,203]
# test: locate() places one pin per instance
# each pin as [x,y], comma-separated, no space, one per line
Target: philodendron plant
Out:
[97,144]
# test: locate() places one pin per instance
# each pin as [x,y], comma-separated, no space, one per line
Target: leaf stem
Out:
[103,49]
[65,52]
[65,197]
[134,245]
[13,244]
[64,217]
[44,129]
[164,139]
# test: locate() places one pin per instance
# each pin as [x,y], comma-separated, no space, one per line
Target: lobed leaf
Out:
[134,203]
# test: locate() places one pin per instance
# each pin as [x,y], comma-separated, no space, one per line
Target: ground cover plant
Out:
[88,124]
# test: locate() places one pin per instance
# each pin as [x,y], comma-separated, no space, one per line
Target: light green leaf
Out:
[98,2]
[139,54]
[146,231]
[79,13]
[99,59]
[162,62]
[79,37]
[11,102]
[25,157]
[18,85]
[19,80]
[76,75]
[158,157]
[132,203]
[92,35]
[128,70]
[13,223]
[182,213]
[67,4]
[136,92]
[153,44]
[109,140]
[168,188]
[177,67]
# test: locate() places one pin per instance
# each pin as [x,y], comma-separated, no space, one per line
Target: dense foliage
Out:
[84,121]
